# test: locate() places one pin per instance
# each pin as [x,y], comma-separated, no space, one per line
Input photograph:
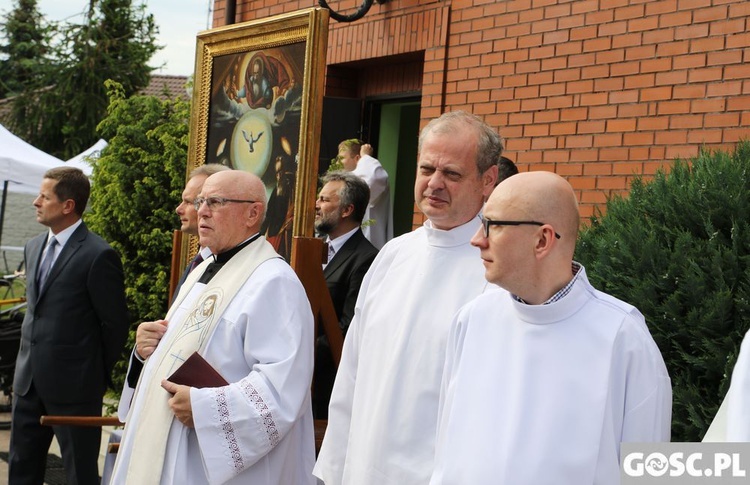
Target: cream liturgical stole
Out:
[152,430]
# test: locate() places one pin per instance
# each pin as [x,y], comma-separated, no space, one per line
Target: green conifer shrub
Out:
[136,185]
[678,248]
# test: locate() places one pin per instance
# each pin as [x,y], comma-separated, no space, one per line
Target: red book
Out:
[196,372]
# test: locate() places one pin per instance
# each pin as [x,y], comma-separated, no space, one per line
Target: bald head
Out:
[541,196]
[528,258]
[223,227]
[240,183]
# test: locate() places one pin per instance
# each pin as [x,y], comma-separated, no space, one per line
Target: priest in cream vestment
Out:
[544,381]
[246,313]
[383,410]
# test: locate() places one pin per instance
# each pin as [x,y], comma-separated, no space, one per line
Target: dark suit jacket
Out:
[344,275]
[184,276]
[75,327]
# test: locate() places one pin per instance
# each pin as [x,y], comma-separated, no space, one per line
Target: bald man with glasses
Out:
[545,378]
[245,312]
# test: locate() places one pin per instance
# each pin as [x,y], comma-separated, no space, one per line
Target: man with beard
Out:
[339,210]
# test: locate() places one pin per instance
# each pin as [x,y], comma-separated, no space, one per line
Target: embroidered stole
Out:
[151,432]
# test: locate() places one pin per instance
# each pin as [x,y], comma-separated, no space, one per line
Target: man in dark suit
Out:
[339,210]
[74,330]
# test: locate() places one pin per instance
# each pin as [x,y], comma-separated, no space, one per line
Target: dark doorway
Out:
[391,125]
[341,120]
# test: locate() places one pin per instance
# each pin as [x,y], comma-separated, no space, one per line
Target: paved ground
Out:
[54,449]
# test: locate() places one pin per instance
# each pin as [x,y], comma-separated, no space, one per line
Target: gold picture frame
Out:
[257,102]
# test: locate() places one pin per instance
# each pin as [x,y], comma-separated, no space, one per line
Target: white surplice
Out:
[259,428]
[379,208]
[545,394]
[732,422]
[383,411]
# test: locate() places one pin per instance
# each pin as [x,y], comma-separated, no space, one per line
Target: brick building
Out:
[595,90]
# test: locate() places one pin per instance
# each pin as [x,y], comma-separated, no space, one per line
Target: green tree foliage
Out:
[137,183]
[678,248]
[116,41]
[24,50]
[25,65]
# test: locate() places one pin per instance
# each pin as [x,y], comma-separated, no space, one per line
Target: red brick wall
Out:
[595,90]
[365,81]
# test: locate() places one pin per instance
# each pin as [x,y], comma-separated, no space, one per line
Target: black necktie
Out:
[46,263]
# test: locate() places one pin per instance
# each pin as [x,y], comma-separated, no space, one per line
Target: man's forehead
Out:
[195,184]
[440,149]
[445,161]
[217,185]
[333,185]
[503,200]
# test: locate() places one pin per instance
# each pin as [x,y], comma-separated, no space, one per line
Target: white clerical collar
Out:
[457,236]
[564,308]
[205,252]
[63,236]
[339,242]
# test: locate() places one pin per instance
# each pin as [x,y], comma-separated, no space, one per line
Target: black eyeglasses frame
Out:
[217,202]
[486,223]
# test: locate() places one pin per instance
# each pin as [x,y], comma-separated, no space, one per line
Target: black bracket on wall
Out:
[361,11]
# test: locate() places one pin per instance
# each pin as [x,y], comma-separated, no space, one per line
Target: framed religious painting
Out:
[257,101]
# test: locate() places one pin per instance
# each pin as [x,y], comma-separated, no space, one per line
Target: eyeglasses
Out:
[214,203]
[486,223]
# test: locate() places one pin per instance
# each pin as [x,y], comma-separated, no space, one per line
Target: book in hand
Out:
[196,372]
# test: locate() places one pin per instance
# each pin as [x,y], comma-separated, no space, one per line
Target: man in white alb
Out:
[246,313]
[357,158]
[544,381]
[383,410]
[732,421]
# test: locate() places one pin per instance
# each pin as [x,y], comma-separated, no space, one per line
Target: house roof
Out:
[164,86]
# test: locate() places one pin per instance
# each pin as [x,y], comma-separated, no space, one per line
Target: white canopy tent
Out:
[22,166]
[83,160]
